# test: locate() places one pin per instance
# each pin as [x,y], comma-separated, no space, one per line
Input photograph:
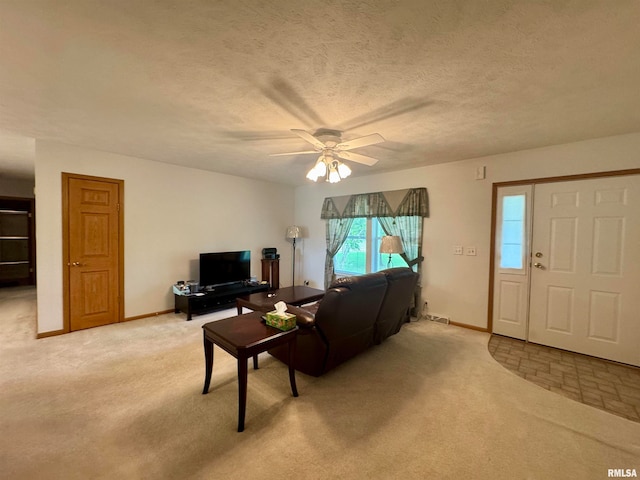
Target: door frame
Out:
[66,328]
[533,181]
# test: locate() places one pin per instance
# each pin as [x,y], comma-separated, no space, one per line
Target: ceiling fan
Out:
[328,143]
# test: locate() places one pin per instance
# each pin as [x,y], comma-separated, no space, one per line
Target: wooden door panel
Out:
[95,196]
[94,237]
[92,299]
[95,292]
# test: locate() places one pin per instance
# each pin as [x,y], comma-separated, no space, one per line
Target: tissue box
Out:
[285,321]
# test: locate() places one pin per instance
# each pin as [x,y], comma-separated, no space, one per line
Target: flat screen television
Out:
[223,268]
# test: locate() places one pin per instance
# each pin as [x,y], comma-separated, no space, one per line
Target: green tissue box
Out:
[282,322]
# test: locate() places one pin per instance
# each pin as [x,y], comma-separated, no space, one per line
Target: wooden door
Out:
[92,211]
[585,293]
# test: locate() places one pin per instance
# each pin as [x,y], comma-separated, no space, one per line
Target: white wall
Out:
[11,187]
[460,214]
[171,215]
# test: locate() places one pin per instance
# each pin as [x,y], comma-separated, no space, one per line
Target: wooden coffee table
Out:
[245,336]
[264,301]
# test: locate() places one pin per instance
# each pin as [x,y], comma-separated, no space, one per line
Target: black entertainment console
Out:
[215,299]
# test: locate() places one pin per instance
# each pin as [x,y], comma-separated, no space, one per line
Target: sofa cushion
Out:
[347,314]
[394,311]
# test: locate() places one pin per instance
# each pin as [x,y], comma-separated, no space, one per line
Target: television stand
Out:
[217,298]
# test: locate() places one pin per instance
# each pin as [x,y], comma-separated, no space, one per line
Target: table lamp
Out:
[391,244]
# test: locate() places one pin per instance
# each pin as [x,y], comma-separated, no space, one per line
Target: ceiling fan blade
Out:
[309,138]
[292,153]
[357,157]
[361,142]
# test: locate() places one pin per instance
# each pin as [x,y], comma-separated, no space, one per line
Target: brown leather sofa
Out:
[355,313]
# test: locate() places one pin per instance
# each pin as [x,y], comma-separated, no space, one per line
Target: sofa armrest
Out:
[304,318]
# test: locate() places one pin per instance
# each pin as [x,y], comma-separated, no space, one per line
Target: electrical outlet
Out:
[470,251]
[457,249]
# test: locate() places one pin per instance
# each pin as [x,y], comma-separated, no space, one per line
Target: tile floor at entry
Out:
[609,386]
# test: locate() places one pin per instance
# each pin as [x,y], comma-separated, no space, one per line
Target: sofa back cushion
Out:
[347,314]
[401,284]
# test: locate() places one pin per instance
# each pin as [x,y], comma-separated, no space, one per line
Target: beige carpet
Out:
[125,402]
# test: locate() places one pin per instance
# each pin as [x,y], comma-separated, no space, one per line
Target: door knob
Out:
[538,265]
[538,254]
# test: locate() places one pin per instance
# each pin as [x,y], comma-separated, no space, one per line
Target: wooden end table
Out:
[245,336]
[264,301]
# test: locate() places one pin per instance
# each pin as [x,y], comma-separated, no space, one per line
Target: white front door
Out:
[585,280]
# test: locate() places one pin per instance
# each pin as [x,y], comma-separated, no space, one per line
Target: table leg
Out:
[208,363]
[242,391]
[292,370]
[239,307]
[255,362]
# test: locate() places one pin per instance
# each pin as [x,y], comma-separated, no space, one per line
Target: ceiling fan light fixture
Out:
[312,175]
[318,170]
[321,167]
[334,176]
[343,170]
[331,147]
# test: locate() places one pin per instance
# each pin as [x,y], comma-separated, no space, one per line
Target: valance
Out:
[412,202]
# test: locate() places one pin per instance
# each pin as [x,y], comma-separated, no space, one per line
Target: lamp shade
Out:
[293,232]
[391,244]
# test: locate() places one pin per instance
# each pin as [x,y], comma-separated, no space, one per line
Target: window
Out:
[512,231]
[360,253]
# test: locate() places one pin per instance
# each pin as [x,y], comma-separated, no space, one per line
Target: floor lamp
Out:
[293,232]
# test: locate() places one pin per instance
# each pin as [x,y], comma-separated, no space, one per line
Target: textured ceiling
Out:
[218,85]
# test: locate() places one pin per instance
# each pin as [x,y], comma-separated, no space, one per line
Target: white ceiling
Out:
[218,85]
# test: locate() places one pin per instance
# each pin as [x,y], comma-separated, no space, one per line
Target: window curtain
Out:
[409,229]
[412,202]
[336,232]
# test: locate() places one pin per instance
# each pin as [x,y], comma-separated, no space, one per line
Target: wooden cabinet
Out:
[205,302]
[271,272]
[17,247]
